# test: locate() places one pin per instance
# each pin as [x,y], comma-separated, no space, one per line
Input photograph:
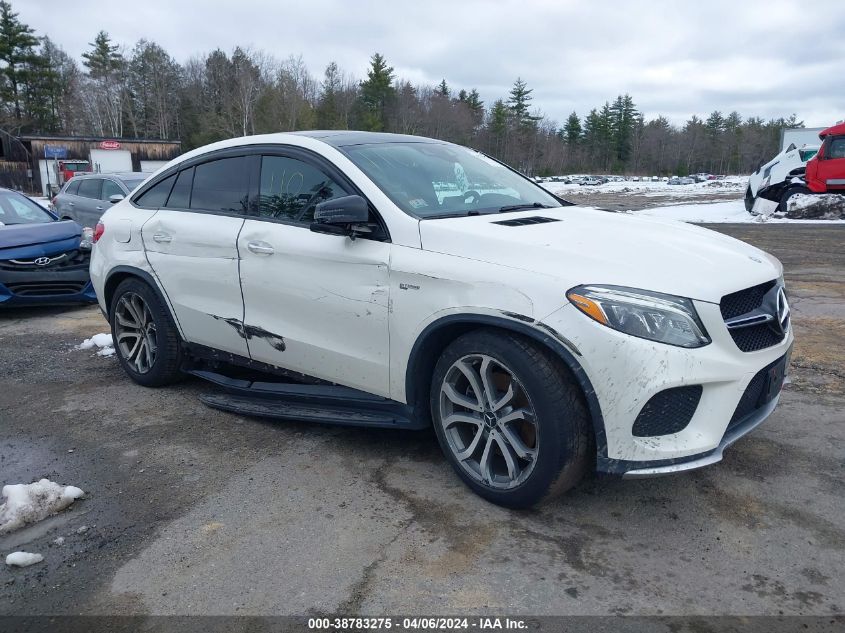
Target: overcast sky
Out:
[766,58]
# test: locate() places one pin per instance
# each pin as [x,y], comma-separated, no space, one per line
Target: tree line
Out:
[143,92]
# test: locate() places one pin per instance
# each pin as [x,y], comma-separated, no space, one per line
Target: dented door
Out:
[316,303]
[195,258]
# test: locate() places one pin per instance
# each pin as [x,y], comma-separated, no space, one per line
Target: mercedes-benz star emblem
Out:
[782,307]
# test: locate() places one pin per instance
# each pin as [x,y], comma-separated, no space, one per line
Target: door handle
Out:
[162,238]
[70,204]
[260,248]
[99,208]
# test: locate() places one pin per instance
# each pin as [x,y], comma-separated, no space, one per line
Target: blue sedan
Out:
[42,260]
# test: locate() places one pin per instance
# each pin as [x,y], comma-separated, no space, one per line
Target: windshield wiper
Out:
[519,207]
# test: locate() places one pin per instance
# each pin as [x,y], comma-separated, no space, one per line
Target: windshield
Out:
[430,180]
[807,154]
[18,209]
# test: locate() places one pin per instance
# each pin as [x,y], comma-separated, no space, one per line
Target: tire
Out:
[135,302]
[544,426]
[749,199]
[786,195]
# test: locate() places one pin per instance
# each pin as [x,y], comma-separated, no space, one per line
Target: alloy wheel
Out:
[488,421]
[135,332]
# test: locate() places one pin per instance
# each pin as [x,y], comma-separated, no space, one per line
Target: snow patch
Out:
[731,211]
[651,188]
[30,503]
[816,206]
[102,341]
[23,559]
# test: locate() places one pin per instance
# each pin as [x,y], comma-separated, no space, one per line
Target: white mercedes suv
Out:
[399,281]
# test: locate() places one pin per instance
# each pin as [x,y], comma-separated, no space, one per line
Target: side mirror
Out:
[115,198]
[341,216]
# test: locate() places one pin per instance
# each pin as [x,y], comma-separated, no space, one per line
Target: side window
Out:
[837,148]
[180,197]
[221,185]
[111,188]
[90,188]
[73,187]
[291,189]
[156,195]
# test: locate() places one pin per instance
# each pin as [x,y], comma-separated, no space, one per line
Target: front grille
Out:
[752,397]
[46,288]
[756,337]
[748,303]
[667,412]
[71,260]
[744,301]
[534,219]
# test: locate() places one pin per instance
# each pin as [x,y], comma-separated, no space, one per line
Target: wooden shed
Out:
[44,157]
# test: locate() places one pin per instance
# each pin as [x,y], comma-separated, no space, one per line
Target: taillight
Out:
[98,231]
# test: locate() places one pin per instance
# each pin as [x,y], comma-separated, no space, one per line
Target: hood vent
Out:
[534,219]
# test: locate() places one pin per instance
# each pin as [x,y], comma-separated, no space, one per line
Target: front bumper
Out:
[640,470]
[626,372]
[45,287]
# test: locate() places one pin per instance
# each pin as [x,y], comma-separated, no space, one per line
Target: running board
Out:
[322,404]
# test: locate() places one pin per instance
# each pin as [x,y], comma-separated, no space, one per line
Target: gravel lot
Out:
[195,511]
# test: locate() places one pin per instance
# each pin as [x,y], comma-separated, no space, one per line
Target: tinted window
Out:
[180,197]
[90,188]
[221,185]
[111,188]
[155,196]
[290,189]
[73,187]
[837,148]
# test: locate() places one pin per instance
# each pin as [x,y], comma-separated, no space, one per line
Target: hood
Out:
[588,246]
[47,238]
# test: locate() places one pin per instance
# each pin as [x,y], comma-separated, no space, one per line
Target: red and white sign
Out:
[109,145]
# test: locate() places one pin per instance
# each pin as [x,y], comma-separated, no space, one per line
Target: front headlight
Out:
[649,315]
[87,239]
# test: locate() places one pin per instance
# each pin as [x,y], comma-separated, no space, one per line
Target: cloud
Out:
[761,58]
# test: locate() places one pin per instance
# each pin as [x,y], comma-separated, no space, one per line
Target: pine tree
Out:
[623,119]
[572,129]
[41,84]
[499,118]
[108,92]
[442,90]
[519,101]
[328,115]
[377,94]
[104,58]
[17,52]
[476,106]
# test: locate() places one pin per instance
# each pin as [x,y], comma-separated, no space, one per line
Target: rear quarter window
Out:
[72,187]
[156,196]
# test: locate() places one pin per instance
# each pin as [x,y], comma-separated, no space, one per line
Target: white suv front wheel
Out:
[510,418]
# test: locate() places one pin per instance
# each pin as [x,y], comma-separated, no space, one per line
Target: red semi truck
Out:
[825,172]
